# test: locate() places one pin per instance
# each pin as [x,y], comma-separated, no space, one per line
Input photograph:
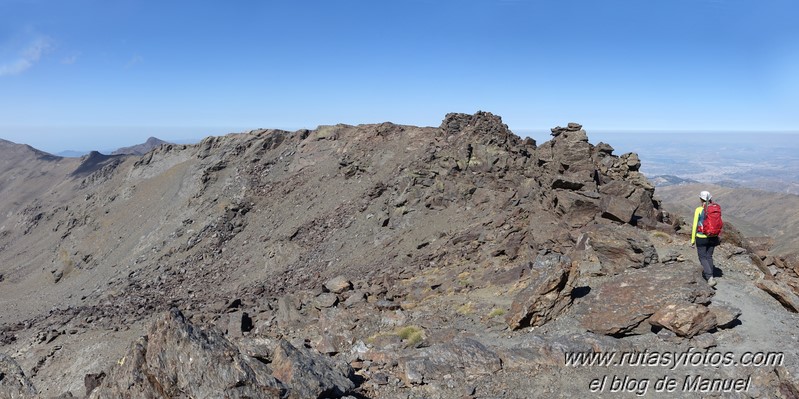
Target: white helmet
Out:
[705,196]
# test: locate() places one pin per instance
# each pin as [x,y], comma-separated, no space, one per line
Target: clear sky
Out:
[83,74]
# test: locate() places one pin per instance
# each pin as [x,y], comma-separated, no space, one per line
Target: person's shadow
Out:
[717,272]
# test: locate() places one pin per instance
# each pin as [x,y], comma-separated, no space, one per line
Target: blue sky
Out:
[85,74]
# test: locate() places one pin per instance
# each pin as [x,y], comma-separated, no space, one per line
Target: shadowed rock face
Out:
[310,374]
[547,296]
[177,359]
[616,249]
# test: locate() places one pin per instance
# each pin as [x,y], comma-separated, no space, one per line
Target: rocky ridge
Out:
[141,149]
[365,261]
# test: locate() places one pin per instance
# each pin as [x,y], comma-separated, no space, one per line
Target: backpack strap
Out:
[700,221]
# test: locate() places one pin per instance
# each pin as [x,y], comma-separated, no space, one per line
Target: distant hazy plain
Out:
[760,160]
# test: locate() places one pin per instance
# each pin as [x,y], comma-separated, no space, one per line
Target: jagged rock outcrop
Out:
[597,181]
[547,296]
[177,359]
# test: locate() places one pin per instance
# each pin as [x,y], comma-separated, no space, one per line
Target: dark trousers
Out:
[705,247]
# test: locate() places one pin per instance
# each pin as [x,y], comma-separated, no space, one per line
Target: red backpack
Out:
[711,222]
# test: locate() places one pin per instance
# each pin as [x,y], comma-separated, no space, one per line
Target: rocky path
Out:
[761,328]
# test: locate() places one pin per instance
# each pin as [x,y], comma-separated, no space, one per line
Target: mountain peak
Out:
[22,149]
[140,149]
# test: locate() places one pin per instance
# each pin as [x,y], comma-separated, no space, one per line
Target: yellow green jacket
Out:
[694,233]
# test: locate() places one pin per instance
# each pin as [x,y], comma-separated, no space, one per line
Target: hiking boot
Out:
[711,282]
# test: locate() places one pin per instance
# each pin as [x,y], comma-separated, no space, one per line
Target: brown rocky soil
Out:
[372,261]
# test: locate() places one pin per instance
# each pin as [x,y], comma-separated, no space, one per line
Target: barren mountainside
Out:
[364,261]
[755,212]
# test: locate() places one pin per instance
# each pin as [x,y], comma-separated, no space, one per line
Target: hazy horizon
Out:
[55,140]
[59,140]
[214,68]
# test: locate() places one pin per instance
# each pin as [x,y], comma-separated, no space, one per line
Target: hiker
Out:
[705,234]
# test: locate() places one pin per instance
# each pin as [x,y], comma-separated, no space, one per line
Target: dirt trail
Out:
[761,328]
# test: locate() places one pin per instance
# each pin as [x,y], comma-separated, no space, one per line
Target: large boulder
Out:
[617,248]
[463,359]
[177,359]
[630,191]
[684,319]
[791,262]
[726,314]
[647,212]
[781,293]
[310,374]
[338,284]
[547,296]
[288,314]
[535,351]
[577,208]
[618,209]
[621,304]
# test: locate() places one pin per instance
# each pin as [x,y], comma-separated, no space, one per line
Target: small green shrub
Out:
[662,236]
[412,335]
[465,280]
[466,309]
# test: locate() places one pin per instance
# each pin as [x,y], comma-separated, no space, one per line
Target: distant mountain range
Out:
[670,180]
[138,149]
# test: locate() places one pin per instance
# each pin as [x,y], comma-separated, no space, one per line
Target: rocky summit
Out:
[373,261]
